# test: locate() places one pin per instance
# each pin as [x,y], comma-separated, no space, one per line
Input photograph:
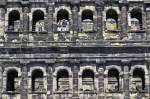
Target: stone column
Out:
[49,82]
[75,22]
[148,84]
[24,82]
[75,70]
[124,22]
[148,23]
[2,22]
[25,22]
[25,25]
[49,22]
[99,22]
[101,83]
[1,81]
[126,80]
[144,19]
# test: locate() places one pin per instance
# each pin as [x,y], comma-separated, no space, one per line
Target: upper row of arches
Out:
[63,19]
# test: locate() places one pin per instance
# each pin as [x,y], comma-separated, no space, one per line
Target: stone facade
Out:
[74,49]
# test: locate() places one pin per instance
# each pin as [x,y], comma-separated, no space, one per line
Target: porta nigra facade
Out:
[74,49]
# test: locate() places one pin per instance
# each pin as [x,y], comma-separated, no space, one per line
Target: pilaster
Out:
[99,22]
[75,22]
[75,70]
[1,80]
[24,82]
[49,82]
[124,21]
[125,64]
[25,25]
[101,93]
[49,22]
[148,23]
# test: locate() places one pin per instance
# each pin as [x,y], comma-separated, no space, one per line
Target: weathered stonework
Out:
[74,49]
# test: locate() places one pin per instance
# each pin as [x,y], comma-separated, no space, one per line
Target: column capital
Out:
[125,61]
[24,61]
[99,2]
[25,9]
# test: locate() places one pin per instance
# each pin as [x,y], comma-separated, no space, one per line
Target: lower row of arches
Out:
[88,78]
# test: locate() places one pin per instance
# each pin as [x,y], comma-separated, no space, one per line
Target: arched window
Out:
[136,19]
[62,20]
[62,80]
[38,21]
[139,79]
[113,80]
[111,20]
[87,15]
[14,21]
[62,14]
[37,80]
[88,80]
[12,80]
[87,20]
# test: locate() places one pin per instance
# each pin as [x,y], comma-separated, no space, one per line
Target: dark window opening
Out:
[11,76]
[62,21]
[111,19]
[136,19]
[113,78]
[62,15]
[112,14]
[88,80]
[36,74]
[63,80]
[38,15]
[139,73]
[14,20]
[87,15]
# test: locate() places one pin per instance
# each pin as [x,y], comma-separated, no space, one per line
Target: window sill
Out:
[136,31]
[63,92]
[12,32]
[11,92]
[142,91]
[112,31]
[39,32]
[114,91]
[38,92]
[88,92]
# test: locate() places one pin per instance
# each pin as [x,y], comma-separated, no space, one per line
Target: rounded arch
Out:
[12,74]
[88,80]
[113,76]
[37,16]
[88,73]
[36,74]
[37,68]
[13,17]
[87,14]
[62,14]
[139,73]
[143,67]
[92,68]
[62,68]
[12,68]
[137,14]
[112,14]
[62,77]
[118,68]
[113,72]
[62,73]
